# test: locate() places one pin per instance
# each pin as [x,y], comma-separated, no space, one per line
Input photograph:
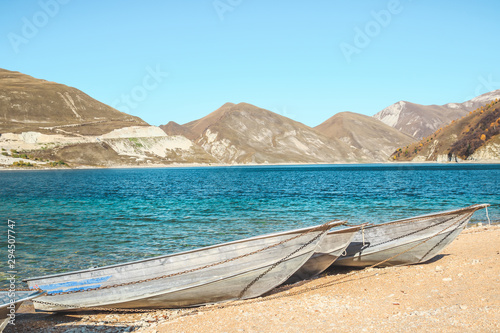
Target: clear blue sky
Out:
[303,59]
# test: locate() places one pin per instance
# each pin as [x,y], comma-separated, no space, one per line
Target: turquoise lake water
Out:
[75,219]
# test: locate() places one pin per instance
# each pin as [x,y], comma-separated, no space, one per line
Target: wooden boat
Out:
[237,270]
[330,248]
[11,301]
[407,241]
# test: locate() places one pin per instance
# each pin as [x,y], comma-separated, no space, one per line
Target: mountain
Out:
[374,138]
[243,133]
[172,128]
[475,136]
[43,122]
[419,121]
[28,104]
[197,127]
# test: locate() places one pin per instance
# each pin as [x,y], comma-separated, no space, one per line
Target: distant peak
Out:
[172,123]
[243,104]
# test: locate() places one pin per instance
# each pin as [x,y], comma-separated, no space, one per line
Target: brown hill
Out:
[30,104]
[419,121]
[374,138]
[172,128]
[197,127]
[46,124]
[244,133]
[475,136]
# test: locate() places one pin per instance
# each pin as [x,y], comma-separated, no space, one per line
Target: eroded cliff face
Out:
[489,152]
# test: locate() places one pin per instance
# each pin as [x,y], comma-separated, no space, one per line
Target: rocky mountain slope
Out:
[419,121]
[475,136]
[371,136]
[243,133]
[43,123]
[30,104]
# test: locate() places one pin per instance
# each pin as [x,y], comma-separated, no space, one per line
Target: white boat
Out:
[331,247]
[237,270]
[10,301]
[407,241]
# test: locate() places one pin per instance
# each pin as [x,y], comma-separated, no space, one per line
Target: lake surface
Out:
[75,219]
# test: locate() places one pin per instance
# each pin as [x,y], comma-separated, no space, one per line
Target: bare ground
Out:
[457,291]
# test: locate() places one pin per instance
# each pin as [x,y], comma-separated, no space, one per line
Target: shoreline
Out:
[457,290]
[201,165]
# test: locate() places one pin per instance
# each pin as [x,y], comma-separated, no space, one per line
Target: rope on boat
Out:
[281,261]
[320,286]
[232,303]
[239,302]
[335,281]
[465,220]
[323,228]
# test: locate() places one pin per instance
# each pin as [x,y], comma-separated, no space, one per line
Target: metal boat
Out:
[407,241]
[236,270]
[330,248]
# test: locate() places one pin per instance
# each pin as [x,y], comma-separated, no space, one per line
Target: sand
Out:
[457,291]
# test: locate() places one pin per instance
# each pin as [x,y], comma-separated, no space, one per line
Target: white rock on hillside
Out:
[144,146]
[135,132]
[490,151]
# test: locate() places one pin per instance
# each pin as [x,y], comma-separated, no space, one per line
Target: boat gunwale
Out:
[353,228]
[377,248]
[320,227]
[472,208]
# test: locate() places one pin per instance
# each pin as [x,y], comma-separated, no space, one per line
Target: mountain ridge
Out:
[28,103]
[54,124]
[476,136]
[376,139]
[245,133]
[419,120]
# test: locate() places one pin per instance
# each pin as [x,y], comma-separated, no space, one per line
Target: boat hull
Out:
[330,248]
[408,241]
[236,270]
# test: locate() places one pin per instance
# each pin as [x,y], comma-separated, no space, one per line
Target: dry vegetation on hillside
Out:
[459,139]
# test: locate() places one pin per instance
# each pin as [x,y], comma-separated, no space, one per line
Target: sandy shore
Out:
[457,291]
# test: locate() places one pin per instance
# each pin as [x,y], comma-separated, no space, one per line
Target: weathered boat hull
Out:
[330,248]
[408,241]
[18,298]
[236,270]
